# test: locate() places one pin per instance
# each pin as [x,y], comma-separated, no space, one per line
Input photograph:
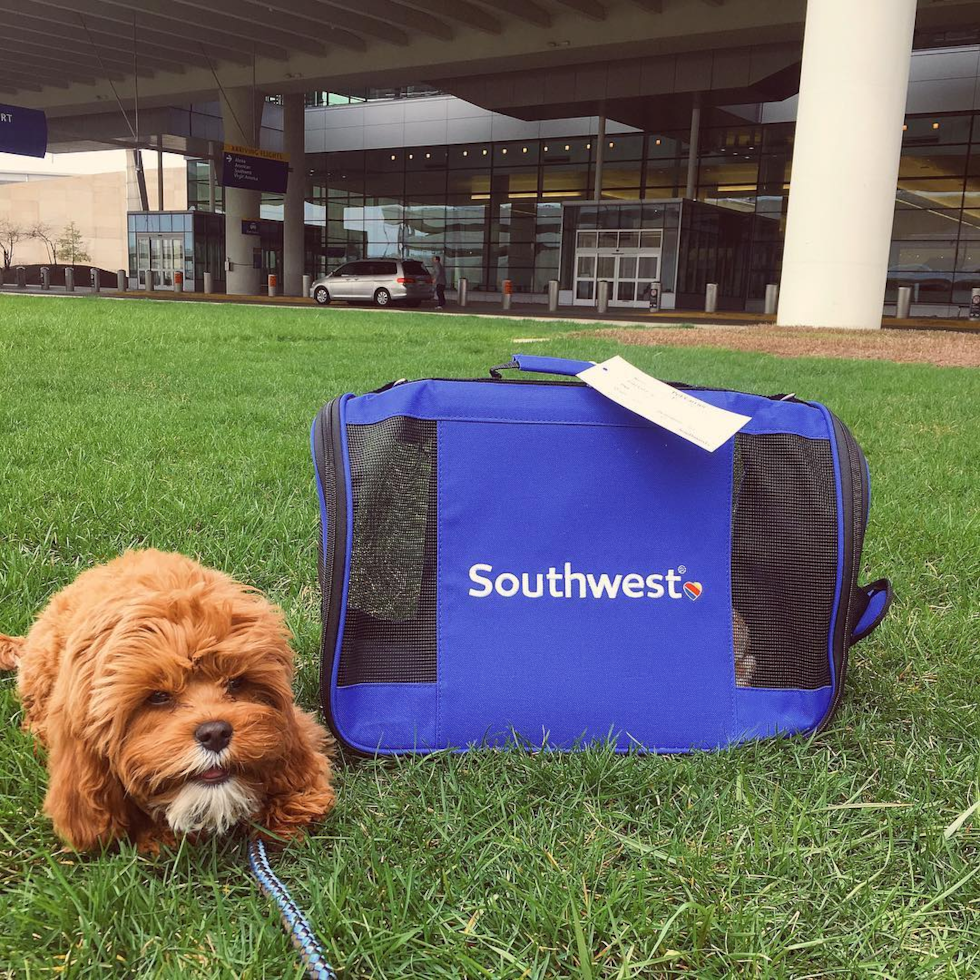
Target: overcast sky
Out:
[97,162]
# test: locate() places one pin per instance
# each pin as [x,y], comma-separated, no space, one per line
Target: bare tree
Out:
[10,234]
[45,233]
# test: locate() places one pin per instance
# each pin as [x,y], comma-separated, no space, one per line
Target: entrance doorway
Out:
[628,260]
[157,258]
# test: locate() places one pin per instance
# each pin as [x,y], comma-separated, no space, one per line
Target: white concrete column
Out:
[845,162]
[241,115]
[294,205]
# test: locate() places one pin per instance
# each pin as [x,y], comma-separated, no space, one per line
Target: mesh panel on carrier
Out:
[390,625]
[784,560]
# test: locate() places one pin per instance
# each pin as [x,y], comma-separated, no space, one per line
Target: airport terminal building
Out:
[831,149]
[500,198]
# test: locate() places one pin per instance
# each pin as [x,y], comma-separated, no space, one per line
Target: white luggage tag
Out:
[686,416]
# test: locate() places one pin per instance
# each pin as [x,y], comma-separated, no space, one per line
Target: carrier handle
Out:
[542,365]
[874,600]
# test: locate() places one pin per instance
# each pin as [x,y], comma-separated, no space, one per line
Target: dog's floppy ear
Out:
[299,792]
[85,801]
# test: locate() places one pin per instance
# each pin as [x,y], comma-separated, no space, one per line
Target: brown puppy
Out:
[163,693]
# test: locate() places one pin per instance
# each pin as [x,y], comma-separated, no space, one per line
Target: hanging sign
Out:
[23,131]
[253,169]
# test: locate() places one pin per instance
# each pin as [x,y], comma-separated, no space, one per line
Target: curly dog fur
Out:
[162,691]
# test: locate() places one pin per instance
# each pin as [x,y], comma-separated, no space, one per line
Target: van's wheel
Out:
[321,295]
[382,298]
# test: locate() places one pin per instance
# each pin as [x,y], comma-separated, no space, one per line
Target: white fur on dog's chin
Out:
[215,808]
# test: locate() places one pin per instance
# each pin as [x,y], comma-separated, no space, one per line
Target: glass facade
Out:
[193,242]
[494,210]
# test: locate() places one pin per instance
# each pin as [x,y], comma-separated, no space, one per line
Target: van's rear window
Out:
[415,269]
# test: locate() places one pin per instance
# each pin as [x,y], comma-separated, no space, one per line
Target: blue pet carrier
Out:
[527,560]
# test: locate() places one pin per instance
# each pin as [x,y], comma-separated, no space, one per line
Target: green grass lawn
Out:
[185,427]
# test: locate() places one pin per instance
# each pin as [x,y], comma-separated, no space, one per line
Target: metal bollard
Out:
[904,303]
[121,280]
[93,279]
[975,304]
[272,284]
[772,298]
[711,297]
[602,296]
[45,277]
[552,295]
[21,277]
[463,291]
[505,296]
[149,281]
[69,279]
[655,296]
[209,282]
[178,281]
[307,285]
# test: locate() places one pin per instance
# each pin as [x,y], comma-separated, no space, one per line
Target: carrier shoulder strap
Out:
[873,600]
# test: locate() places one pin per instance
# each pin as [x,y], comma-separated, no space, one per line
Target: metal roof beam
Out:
[71,53]
[588,8]
[525,10]
[298,16]
[116,19]
[380,19]
[270,37]
[43,16]
[14,83]
[466,13]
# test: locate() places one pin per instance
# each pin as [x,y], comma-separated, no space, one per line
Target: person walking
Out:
[439,278]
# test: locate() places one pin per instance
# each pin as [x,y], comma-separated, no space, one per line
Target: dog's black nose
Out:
[213,735]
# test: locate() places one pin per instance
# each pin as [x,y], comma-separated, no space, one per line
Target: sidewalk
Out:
[523,311]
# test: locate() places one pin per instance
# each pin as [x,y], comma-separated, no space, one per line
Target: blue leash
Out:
[299,929]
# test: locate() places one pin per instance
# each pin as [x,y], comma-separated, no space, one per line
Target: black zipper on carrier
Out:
[329,453]
[854,506]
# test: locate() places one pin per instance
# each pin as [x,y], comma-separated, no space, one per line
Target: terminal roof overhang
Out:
[634,60]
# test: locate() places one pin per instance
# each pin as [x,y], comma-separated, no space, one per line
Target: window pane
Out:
[940,193]
[626,291]
[917,223]
[929,130]
[606,266]
[586,266]
[586,239]
[647,267]
[564,181]
[585,289]
[620,176]
[627,267]
[629,239]
[933,161]
[650,239]
[608,239]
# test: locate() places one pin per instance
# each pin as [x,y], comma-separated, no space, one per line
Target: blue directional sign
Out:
[253,169]
[23,131]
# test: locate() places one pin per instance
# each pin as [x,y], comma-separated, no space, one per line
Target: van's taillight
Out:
[403,280]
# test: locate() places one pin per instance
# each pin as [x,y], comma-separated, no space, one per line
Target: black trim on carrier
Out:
[855,494]
[330,472]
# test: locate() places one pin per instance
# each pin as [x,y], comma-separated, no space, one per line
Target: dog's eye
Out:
[158,697]
[236,684]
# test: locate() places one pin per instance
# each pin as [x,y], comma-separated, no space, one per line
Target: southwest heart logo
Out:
[692,590]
